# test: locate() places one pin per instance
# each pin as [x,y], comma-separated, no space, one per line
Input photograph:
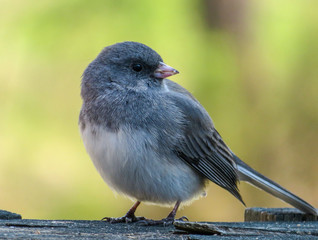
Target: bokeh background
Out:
[252,64]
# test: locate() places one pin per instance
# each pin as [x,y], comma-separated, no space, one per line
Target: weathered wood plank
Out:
[249,229]
[276,214]
[70,229]
[5,215]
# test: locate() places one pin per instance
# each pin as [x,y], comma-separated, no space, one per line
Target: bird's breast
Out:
[133,163]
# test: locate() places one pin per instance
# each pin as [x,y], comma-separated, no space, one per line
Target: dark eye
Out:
[136,67]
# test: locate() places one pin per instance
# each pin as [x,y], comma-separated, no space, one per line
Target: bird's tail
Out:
[248,174]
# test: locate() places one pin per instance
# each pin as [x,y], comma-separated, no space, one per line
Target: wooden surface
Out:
[276,214]
[70,229]
[6,215]
[252,230]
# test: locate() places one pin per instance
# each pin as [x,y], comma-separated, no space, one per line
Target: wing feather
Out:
[200,145]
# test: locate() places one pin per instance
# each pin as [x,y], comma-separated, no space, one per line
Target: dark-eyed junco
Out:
[151,140]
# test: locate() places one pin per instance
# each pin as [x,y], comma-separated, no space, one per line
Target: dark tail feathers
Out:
[246,173]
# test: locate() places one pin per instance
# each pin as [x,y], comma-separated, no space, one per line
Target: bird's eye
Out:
[136,67]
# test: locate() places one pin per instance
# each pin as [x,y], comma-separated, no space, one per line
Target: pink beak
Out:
[164,71]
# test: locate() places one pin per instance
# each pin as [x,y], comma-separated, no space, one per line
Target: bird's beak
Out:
[163,71]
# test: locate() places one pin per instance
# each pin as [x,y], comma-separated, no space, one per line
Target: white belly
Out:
[129,164]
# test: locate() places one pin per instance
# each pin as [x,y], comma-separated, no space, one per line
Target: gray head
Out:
[127,64]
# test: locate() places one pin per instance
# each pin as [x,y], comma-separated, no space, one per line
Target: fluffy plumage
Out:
[150,139]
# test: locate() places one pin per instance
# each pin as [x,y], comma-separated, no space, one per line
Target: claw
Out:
[183,218]
[123,219]
[163,222]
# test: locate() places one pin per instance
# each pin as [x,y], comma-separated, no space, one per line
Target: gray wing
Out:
[201,146]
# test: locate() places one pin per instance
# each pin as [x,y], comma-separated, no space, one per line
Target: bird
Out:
[152,141]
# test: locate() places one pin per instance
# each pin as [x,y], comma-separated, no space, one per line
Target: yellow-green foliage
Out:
[259,84]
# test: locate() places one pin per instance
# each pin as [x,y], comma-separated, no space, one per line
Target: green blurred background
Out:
[252,64]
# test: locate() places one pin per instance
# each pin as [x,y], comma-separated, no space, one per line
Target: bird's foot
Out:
[124,219]
[163,222]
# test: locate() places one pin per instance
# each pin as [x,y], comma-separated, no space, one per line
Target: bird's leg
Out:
[166,221]
[128,218]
